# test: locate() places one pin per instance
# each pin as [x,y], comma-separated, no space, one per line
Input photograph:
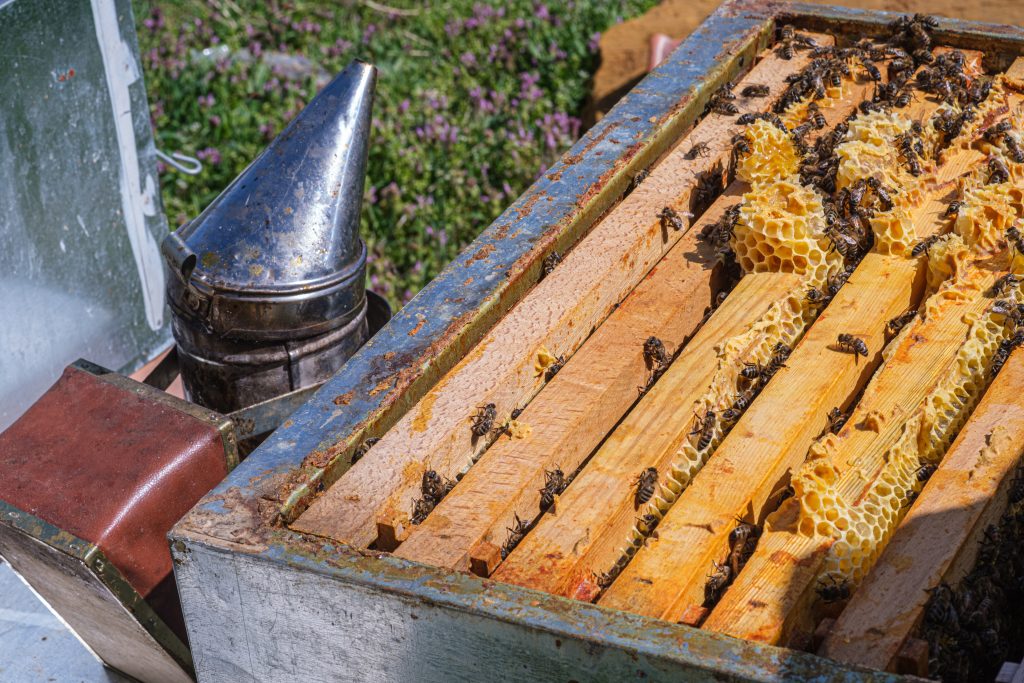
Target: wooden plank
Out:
[753,461]
[910,373]
[667,576]
[966,494]
[549,558]
[600,532]
[557,315]
[573,413]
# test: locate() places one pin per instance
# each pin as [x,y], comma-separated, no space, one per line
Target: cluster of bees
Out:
[971,628]
[742,543]
[433,488]
[1010,309]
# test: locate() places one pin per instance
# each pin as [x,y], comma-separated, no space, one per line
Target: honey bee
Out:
[1012,311]
[516,412]
[816,296]
[716,584]
[924,245]
[833,590]
[364,447]
[869,66]
[756,91]
[709,186]
[817,118]
[1016,492]
[847,246]
[924,472]
[835,282]
[421,508]
[699,149]
[604,579]
[787,32]
[836,420]
[742,543]
[549,263]
[1013,147]
[752,371]
[433,486]
[998,172]
[483,421]
[516,532]
[1004,283]
[785,50]
[882,192]
[740,148]
[852,344]
[894,326]
[953,210]
[996,132]
[553,369]
[647,523]
[909,153]
[645,485]
[656,356]
[635,181]
[670,219]
[554,483]
[1014,237]
[704,427]
[780,354]
[722,106]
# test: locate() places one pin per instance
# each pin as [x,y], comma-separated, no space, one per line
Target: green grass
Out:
[474,101]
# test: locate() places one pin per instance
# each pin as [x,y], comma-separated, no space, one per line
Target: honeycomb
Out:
[781,228]
[772,155]
[861,528]
[867,153]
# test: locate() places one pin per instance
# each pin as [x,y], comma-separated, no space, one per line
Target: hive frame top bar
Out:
[424,340]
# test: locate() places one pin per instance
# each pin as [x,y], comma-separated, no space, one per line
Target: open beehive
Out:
[770,393]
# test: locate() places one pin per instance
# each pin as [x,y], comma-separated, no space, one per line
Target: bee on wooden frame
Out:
[756,90]
[483,421]
[896,324]
[364,448]
[670,218]
[549,263]
[704,428]
[516,532]
[836,419]
[645,484]
[554,484]
[699,149]
[716,583]
[852,344]
[553,369]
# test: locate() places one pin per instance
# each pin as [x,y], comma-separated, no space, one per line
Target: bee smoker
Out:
[267,285]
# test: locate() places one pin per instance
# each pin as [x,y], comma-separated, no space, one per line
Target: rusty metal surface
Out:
[235,533]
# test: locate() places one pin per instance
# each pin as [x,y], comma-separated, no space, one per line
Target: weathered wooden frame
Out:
[265,603]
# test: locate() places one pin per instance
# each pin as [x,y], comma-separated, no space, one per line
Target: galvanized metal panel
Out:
[80,211]
[258,618]
[263,603]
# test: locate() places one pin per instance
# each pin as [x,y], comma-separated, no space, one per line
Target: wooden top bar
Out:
[574,412]
[557,315]
[939,538]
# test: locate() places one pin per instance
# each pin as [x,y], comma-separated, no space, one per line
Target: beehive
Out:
[669,439]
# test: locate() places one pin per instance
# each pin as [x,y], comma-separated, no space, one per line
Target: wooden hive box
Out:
[532,470]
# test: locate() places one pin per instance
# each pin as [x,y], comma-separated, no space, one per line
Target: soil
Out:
[624,48]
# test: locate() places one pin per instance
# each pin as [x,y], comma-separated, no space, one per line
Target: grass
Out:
[474,101]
